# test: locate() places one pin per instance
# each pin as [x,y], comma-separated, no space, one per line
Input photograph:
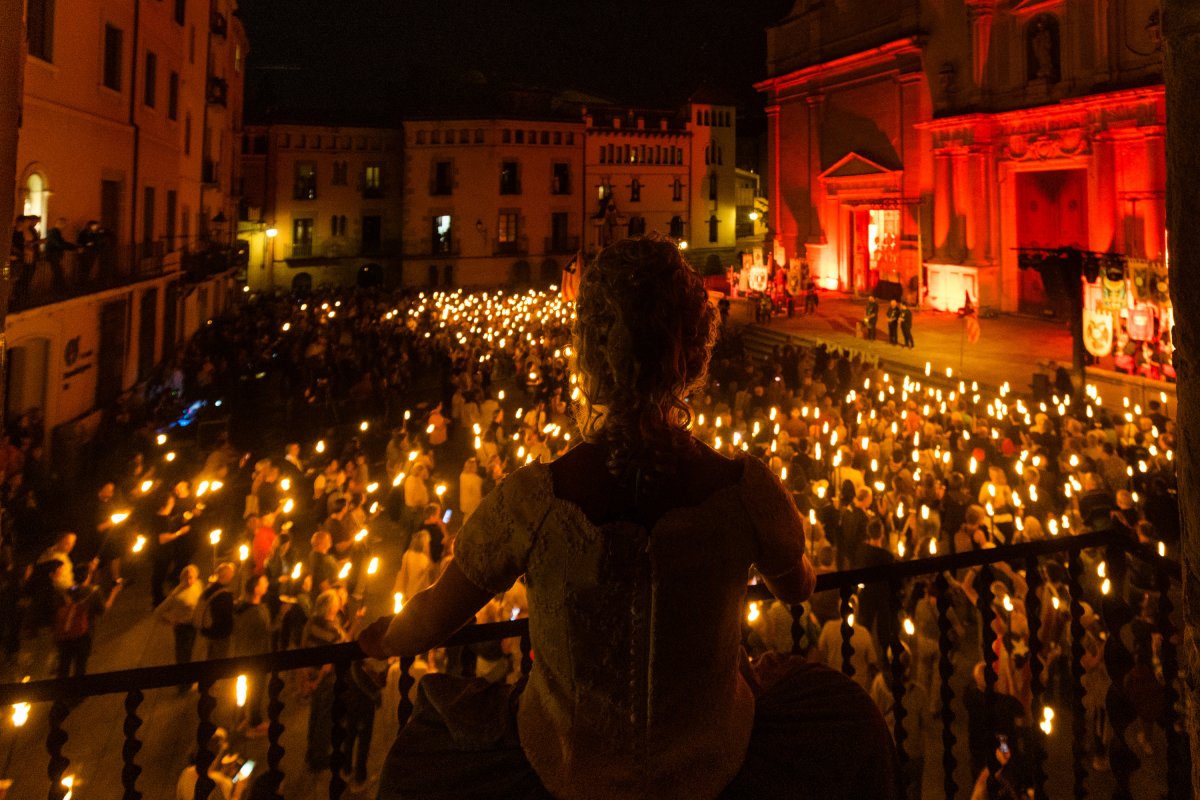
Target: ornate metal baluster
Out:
[526,653]
[987,636]
[1178,779]
[405,684]
[1033,612]
[131,771]
[55,739]
[945,672]
[205,729]
[898,687]
[339,757]
[275,730]
[797,613]
[847,633]
[1078,715]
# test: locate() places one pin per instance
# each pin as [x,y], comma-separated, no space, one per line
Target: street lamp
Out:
[683,245]
[271,233]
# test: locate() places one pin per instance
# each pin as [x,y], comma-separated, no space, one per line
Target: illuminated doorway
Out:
[874,247]
[1051,212]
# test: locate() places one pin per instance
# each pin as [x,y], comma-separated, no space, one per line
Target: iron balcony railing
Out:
[84,271]
[64,694]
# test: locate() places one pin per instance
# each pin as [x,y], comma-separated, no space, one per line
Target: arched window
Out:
[1042,49]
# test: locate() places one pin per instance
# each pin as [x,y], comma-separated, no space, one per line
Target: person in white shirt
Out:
[470,488]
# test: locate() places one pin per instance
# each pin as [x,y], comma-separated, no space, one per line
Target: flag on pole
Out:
[970,318]
[570,278]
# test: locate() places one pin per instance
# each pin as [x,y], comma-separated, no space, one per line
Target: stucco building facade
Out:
[128,112]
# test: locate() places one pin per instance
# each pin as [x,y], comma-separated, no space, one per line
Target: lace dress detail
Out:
[636,689]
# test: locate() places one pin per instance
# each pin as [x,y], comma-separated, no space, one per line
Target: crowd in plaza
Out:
[275,547]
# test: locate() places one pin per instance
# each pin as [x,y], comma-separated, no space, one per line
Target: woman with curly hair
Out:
[635,546]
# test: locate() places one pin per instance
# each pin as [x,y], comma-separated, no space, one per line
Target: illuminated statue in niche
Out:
[1043,48]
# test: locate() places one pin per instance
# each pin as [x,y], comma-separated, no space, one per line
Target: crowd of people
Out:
[363,420]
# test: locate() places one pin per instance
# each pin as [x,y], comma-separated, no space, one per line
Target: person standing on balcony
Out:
[635,546]
[90,241]
[26,242]
[56,247]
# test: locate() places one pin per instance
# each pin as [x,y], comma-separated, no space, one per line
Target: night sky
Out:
[382,57]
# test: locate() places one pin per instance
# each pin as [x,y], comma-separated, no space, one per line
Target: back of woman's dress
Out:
[636,689]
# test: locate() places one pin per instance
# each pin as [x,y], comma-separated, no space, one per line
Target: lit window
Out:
[373,180]
[441,234]
[305,187]
[506,228]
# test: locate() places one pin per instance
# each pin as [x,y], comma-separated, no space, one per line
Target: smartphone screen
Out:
[245,771]
[446,516]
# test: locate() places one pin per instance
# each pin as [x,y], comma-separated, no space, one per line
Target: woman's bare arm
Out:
[428,619]
[796,585]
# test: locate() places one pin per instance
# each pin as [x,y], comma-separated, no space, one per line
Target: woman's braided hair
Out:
[643,336]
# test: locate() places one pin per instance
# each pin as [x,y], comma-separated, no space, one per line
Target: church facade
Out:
[929,142]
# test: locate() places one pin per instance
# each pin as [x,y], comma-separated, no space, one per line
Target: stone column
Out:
[816,109]
[1153,212]
[1103,222]
[774,154]
[943,204]
[978,249]
[964,226]
[1181,24]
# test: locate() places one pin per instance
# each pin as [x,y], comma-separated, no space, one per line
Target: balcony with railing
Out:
[513,247]
[63,275]
[1052,749]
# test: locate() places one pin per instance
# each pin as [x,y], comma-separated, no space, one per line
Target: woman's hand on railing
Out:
[370,640]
